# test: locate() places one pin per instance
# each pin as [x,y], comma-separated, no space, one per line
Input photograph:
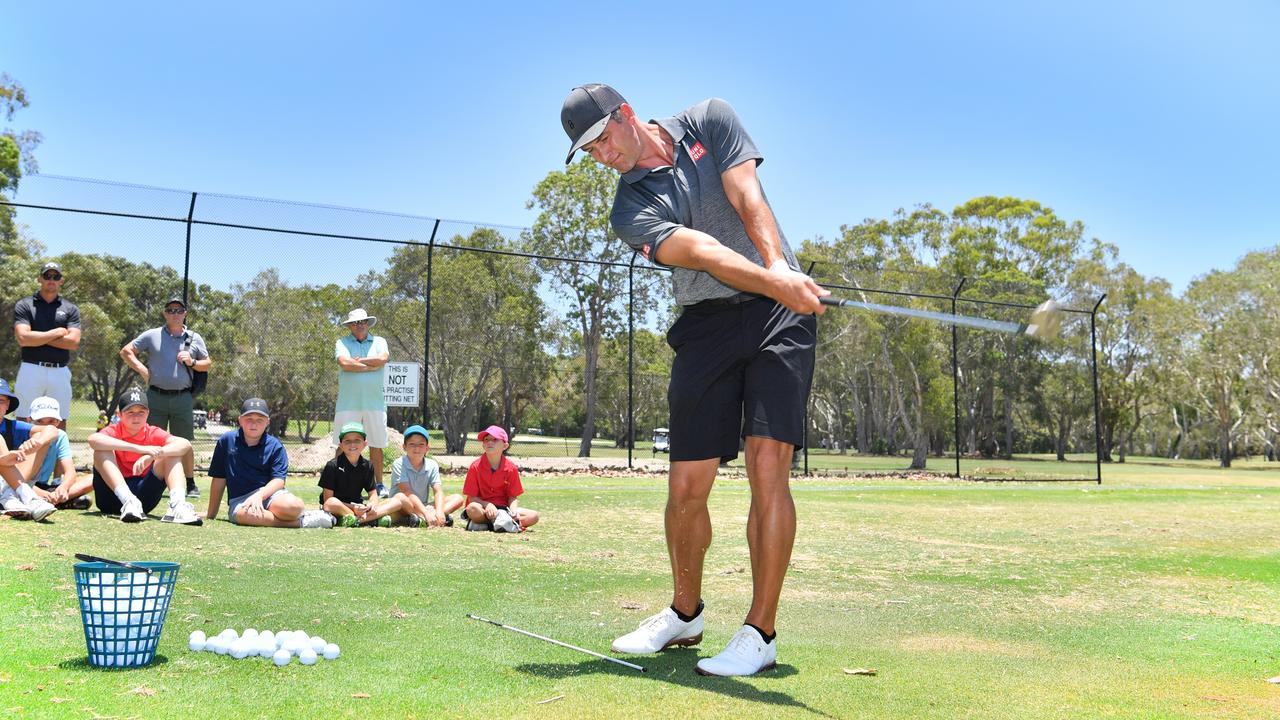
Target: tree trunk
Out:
[591,348]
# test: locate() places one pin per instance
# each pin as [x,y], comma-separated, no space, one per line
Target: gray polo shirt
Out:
[653,203]
[162,356]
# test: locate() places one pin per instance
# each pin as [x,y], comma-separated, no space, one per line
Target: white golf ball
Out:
[307,656]
[229,635]
[282,658]
[331,651]
[249,634]
[282,637]
[197,641]
[265,649]
[240,649]
[267,636]
[221,646]
[318,643]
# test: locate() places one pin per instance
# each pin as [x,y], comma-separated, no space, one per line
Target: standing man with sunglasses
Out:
[47,327]
[174,355]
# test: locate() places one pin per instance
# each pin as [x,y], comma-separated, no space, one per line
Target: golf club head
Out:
[1046,320]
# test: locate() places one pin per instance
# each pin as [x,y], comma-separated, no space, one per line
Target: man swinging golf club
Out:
[689,198]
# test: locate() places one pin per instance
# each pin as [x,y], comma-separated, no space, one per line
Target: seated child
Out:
[347,477]
[133,462]
[17,448]
[50,469]
[493,484]
[251,465]
[415,479]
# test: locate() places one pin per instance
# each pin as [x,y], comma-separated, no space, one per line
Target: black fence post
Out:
[631,357]
[186,262]
[1097,411]
[426,335]
[955,377]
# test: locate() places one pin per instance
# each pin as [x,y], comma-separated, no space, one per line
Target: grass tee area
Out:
[1156,595]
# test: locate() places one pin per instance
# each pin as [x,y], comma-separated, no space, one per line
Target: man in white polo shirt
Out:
[361,356]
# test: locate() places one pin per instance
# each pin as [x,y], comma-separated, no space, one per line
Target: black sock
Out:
[687,618]
[767,638]
[191,482]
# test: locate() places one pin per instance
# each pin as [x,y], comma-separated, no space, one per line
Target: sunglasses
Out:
[52,276]
[175,310]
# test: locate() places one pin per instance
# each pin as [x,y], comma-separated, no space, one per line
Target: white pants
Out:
[37,381]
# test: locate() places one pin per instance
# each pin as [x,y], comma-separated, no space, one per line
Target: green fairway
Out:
[1156,595]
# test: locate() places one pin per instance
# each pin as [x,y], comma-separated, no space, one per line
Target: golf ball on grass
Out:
[282,657]
[240,649]
[197,641]
[307,656]
[331,651]
[317,644]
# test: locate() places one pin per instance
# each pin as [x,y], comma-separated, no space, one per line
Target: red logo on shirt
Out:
[645,251]
[697,151]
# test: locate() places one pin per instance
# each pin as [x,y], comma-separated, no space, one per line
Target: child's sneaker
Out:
[414,521]
[132,512]
[448,521]
[746,654]
[13,507]
[315,519]
[474,526]
[383,492]
[182,514]
[384,521]
[661,631]
[192,490]
[349,521]
[41,509]
[80,503]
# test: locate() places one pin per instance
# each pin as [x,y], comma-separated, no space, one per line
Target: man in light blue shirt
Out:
[361,356]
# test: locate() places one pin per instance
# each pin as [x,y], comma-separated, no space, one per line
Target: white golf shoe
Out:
[132,512]
[181,513]
[746,654]
[41,509]
[660,631]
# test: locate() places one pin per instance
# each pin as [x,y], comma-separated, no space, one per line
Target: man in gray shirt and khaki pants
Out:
[689,199]
[174,355]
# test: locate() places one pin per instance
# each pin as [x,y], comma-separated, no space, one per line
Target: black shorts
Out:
[740,370]
[147,488]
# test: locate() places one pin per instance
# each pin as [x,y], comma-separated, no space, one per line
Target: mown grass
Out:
[1152,596]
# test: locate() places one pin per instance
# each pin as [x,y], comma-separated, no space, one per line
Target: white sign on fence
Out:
[400,381]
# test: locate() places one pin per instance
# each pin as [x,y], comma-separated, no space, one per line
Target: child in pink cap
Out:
[493,486]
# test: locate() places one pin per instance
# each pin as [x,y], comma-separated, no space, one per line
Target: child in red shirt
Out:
[493,484]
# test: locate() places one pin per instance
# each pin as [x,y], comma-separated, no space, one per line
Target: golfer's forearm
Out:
[699,251]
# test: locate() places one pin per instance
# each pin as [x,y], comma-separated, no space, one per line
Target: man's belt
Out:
[738,299]
[162,391]
[48,364]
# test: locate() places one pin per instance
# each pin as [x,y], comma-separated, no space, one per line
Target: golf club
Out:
[557,642]
[131,566]
[1045,321]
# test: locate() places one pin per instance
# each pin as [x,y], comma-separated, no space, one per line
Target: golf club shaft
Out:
[131,566]
[948,318]
[536,636]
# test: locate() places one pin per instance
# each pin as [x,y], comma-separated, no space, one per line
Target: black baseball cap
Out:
[133,396]
[255,405]
[51,265]
[585,113]
[176,299]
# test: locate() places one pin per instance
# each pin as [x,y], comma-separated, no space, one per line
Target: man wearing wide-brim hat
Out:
[361,355]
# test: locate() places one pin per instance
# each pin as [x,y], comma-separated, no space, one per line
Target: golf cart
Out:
[660,441]
[199,418]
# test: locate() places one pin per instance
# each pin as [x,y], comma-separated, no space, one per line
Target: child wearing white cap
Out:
[19,441]
[50,469]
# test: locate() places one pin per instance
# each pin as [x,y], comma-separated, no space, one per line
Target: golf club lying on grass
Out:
[1045,320]
[131,566]
[536,636]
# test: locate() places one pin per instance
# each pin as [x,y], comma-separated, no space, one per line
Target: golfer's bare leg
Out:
[771,526]
[375,459]
[688,527]
[284,512]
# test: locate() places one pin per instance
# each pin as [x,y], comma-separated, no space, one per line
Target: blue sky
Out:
[1151,122]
